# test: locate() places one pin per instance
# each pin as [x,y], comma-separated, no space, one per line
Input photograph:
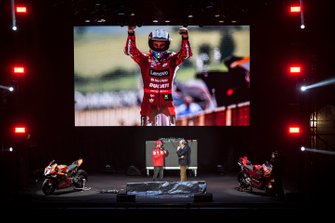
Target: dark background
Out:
[43,99]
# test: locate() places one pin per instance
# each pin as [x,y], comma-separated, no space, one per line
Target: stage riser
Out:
[155,188]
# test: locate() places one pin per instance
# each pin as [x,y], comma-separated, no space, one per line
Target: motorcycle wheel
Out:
[78,180]
[242,181]
[48,187]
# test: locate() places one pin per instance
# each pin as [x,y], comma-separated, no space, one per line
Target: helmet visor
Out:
[159,35]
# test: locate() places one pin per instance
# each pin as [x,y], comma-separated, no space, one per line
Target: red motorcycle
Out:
[63,176]
[255,176]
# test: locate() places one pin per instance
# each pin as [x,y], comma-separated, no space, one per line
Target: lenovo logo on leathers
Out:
[159,73]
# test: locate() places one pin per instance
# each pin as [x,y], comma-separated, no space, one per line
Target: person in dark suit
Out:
[276,162]
[183,152]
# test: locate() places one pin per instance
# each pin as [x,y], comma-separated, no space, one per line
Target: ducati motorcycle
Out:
[63,176]
[255,176]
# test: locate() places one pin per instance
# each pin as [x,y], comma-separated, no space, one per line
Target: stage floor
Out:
[104,188]
[100,199]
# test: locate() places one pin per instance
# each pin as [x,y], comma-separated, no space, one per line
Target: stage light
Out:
[294,130]
[314,150]
[319,84]
[295,69]
[19,70]
[298,9]
[303,88]
[21,10]
[19,130]
[8,88]
[295,9]
[14,28]
[11,149]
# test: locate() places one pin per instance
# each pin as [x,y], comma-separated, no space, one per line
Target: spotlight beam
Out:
[320,84]
[14,27]
[6,88]
[302,20]
[327,152]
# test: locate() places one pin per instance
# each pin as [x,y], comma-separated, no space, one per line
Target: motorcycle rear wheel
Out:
[78,180]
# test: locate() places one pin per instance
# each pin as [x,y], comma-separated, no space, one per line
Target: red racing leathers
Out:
[157,76]
[158,156]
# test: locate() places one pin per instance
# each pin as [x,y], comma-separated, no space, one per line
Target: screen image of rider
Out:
[158,70]
[154,76]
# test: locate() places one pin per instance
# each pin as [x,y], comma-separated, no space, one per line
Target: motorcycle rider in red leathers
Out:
[158,69]
[158,156]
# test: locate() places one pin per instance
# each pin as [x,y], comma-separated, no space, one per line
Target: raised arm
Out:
[130,48]
[185,50]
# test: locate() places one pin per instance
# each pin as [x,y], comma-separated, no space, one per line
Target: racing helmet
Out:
[159,35]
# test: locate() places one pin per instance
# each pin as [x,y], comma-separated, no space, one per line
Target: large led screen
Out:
[209,86]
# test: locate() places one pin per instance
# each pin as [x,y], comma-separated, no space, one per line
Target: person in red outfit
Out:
[158,69]
[158,158]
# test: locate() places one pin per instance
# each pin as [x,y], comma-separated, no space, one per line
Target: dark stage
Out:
[105,196]
[71,92]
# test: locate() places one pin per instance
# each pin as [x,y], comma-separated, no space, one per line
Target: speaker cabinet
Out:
[207,197]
